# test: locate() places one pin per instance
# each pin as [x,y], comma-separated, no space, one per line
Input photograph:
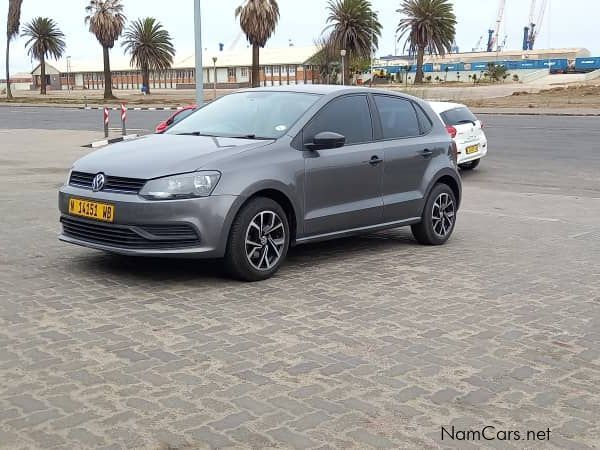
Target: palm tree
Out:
[106,21]
[354,27]
[45,40]
[150,47]
[258,19]
[429,25]
[12,29]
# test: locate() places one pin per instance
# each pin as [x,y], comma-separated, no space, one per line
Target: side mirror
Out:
[325,140]
[161,127]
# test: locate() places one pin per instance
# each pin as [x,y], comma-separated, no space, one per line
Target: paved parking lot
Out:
[369,342]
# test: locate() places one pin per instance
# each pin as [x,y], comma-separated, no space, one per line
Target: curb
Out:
[105,142]
[552,114]
[139,108]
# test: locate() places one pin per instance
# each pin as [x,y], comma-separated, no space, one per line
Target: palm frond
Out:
[13,21]
[45,39]
[258,19]
[353,26]
[106,20]
[149,45]
[428,25]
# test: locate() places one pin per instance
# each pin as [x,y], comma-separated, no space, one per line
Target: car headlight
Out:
[187,185]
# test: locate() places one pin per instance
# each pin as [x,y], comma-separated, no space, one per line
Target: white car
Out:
[466,130]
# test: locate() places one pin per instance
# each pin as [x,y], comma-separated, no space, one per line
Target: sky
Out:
[567,23]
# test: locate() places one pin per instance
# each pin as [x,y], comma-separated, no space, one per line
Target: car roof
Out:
[327,89]
[440,107]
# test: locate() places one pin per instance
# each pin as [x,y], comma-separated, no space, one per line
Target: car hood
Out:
[158,155]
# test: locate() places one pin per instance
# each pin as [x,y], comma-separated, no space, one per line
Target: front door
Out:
[343,185]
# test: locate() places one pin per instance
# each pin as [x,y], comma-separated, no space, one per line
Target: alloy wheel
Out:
[265,240]
[443,215]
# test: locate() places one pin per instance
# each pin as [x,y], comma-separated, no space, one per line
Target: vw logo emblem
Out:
[98,182]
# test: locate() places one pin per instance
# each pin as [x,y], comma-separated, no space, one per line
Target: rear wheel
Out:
[258,240]
[470,165]
[439,217]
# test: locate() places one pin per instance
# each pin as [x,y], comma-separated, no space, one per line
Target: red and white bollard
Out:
[123,119]
[106,118]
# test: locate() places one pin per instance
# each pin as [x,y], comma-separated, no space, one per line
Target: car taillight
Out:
[481,124]
[451,131]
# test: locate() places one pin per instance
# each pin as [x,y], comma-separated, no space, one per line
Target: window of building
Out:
[244,72]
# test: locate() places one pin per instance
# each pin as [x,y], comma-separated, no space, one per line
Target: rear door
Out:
[408,153]
[343,185]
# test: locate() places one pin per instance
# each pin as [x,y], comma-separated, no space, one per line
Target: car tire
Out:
[470,165]
[437,222]
[263,223]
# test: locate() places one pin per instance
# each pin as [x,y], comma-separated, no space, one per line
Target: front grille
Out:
[111,184]
[129,236]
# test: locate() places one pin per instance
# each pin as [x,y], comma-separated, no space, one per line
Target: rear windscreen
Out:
[457,116]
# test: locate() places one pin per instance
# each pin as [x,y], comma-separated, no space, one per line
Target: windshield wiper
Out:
[196,133]
[242,136]
[249,136]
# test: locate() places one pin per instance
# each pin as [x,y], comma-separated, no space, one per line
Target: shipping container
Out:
[587,64]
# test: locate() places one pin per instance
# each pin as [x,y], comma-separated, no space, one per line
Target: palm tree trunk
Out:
[255,66]
[108,94]
[43,75]
[420,57]
[146,79]
[8,91]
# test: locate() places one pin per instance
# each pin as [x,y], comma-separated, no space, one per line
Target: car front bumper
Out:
[208,218]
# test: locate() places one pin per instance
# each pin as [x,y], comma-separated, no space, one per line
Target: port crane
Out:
[493,34]
[531,31]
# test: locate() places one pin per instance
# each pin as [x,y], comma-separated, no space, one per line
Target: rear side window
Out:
[458,116]
[348,116]
[424,120]
[398,117]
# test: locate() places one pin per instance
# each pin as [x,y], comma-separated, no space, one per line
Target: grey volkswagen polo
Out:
[257,171]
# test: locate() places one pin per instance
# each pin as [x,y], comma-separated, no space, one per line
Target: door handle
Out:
[375,160]
[426,153]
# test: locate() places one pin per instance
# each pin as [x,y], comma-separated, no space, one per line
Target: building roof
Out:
[236,58]
[504,55]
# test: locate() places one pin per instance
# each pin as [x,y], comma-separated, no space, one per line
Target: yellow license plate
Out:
[91,210]
[472,149]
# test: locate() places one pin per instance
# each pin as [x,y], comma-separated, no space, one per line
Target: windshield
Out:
[259,115]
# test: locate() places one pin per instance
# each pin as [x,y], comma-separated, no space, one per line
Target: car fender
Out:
[435,179]
[251,191]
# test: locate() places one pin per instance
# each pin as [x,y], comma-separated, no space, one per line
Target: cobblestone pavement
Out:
[369,342]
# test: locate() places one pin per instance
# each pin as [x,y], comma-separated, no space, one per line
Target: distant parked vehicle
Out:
[466,130]
[176,117]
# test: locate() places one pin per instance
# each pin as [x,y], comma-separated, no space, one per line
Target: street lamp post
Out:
[198,54]
[68,73]
[215,80]
[343,54]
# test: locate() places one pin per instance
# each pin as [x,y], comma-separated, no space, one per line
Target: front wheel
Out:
[470,165]
[439,217]
[258,240]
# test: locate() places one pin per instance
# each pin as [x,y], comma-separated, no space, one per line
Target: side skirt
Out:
[361,230]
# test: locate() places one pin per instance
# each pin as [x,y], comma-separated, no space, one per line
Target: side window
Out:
[424,120]
[348,116]
[398,117]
